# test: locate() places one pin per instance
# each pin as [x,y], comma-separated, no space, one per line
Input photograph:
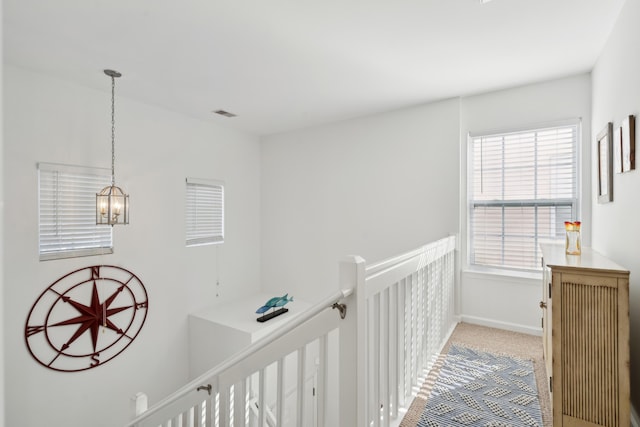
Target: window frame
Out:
[575,203]
[75,248]
[201,236]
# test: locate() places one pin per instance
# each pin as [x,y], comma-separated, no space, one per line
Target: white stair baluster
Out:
[302,355]
[240,403]
[321,386]
[261,397]
[393,351]
[384,357]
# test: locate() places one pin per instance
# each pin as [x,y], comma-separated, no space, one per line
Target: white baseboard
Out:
[501,325]
[635,420]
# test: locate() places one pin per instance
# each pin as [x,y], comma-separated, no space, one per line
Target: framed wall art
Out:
[617,150]
[605,175]
[628,133]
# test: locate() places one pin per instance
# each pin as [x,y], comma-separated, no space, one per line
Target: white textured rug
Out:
[476,388]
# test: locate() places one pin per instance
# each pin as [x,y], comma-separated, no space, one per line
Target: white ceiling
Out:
[287,64]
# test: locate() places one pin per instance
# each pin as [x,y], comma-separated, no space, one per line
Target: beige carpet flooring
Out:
[495,341]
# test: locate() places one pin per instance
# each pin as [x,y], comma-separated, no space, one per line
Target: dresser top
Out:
[554,256]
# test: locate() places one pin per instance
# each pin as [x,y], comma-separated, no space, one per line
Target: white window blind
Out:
[204,212]
[67,211]
[523,186]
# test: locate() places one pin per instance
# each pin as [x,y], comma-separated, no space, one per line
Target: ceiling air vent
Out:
[225,113]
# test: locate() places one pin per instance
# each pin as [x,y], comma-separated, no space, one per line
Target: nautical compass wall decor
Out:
[86,318]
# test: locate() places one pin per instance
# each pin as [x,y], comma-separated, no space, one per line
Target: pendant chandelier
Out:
[112,204]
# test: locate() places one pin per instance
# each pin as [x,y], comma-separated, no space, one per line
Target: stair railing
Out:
[394,317]
[220,397]
[405,314]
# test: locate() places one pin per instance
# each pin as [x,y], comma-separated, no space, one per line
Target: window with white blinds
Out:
[67,211]
[523,186]
[204,212]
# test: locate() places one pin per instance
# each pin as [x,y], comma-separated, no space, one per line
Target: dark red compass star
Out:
[92,316]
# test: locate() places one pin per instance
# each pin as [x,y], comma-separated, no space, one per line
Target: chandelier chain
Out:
[113,130]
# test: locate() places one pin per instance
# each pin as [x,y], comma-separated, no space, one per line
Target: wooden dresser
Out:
[585,323]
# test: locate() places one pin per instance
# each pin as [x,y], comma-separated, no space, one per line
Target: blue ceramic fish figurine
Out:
[263,309]
[275,302]
[283,301]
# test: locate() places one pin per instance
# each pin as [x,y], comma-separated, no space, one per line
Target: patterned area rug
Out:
[475,388]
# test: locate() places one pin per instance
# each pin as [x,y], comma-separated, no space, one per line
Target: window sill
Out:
[48,256]
[504,274]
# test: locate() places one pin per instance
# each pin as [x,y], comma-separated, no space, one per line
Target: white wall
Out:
[56,121]
[616,230]
[505,301]
[374,187]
